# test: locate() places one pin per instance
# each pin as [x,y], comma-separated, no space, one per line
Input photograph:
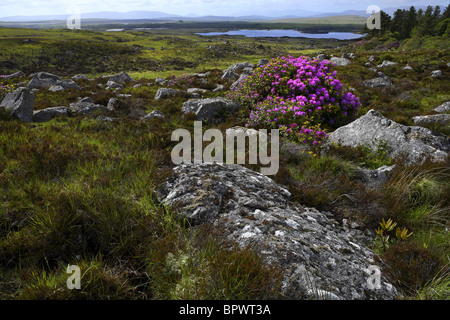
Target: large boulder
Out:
[317,256]
[413,143]
[43,80]
[208,109]
[19,104]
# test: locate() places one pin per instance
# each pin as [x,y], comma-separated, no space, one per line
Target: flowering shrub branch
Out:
[297,96]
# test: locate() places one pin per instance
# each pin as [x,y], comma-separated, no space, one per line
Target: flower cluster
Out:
[296,95]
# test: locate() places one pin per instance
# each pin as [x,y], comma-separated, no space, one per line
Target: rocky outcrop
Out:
[19,104]
[413,143]
[317,256]
[208,109]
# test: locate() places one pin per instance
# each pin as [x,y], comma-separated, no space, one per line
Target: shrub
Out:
[297,96]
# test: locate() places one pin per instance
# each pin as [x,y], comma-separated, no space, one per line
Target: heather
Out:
[298,96]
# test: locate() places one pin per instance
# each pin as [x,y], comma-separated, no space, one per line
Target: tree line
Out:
[408,23]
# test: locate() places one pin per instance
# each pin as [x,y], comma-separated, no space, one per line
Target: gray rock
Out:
[208,109]
[113,85]
[87,99]
[445,107]
[48,114]
[371,58]
[84,107]
[262,62]
[80,77]
[238,67]
[218,88]
[68,84]
[381,81]
[154,114]
[56,88]
[15,75]
[242,77]
[436,73]
[386,63]
[43,80]
[115,104]
[125,96]
[19,104]
[348,55]
[228,74]
[122,78]
[408,67]
[414,143]
[160,80]
[374,178]
[164,93]
[318,259]
[340,61]
[105,118]
[321,57]
[435,118]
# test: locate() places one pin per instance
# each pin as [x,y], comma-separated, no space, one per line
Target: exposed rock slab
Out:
[413,142]
[317,256]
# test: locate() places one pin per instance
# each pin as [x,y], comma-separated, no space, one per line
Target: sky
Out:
[200,7]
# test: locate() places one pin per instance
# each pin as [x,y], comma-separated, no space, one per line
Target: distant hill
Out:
[340,19]
[348,16]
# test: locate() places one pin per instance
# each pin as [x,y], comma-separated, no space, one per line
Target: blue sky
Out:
[198,7]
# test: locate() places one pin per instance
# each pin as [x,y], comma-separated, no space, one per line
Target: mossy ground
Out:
[82,191]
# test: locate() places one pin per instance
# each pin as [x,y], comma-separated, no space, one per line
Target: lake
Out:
[287,33]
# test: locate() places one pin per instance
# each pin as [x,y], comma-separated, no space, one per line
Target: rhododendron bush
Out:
[297,96]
